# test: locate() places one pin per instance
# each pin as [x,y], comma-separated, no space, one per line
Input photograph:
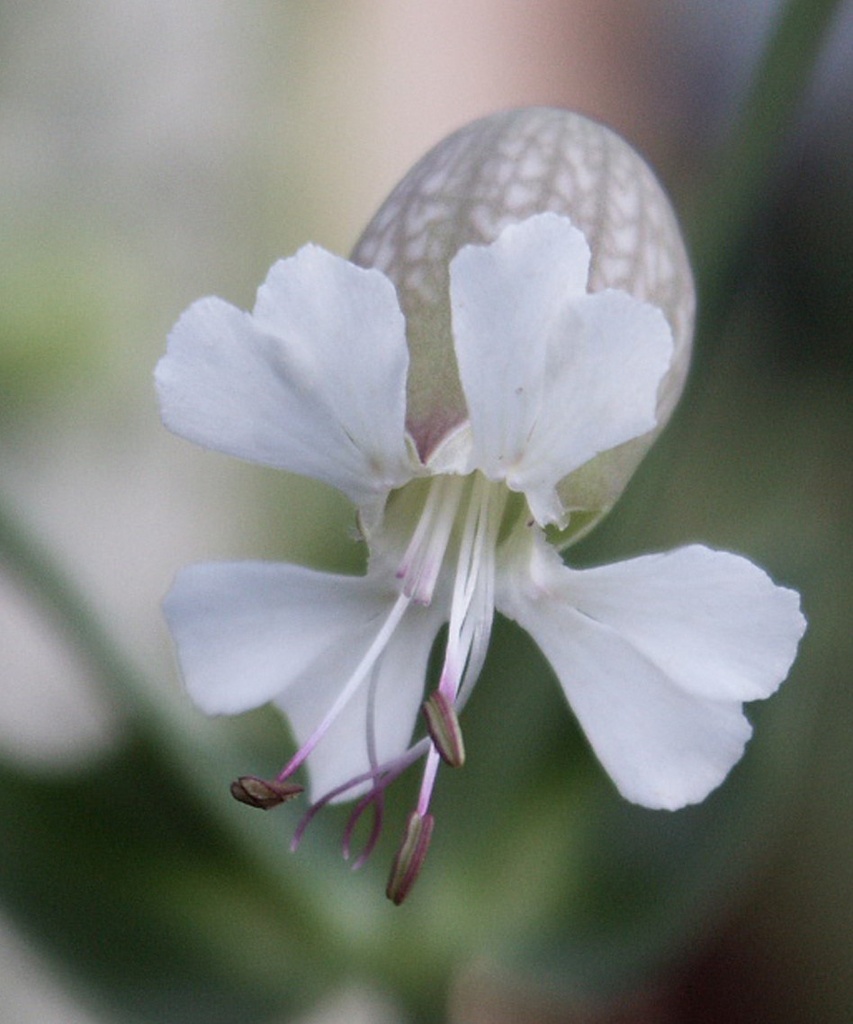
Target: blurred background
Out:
[152,153]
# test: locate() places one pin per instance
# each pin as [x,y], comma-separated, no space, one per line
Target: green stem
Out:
[736,187]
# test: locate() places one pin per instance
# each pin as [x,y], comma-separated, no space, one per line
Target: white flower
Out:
[656,655]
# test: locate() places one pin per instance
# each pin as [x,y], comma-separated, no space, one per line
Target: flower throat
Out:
[445,531]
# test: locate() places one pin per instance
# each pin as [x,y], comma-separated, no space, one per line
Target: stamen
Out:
[381,777]
[410,857]
[375,801]
[263,793]
[422,561]
[355,681]
[471,616]
[428,781]
[443,726]
[470,626]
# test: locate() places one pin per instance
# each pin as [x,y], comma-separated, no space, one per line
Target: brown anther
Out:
[263,793]
[410,857]
[443,726]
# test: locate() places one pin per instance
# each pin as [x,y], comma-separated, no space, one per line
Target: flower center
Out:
[475,534]
[449,556]
[463,514]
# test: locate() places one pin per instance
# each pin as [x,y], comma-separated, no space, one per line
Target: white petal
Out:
[711,621]
[312,382]
[505,297]
[552,375]
[245,630]
[662,739]
[388,703]
[251,632]
[607,354]
[662,747]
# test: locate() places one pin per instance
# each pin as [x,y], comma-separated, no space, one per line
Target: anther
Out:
[263,793]
[410,857]
[443,726]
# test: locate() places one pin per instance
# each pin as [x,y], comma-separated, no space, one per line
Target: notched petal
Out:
[312,382]
[712,621]
[663,733]
[505,297]
[606,357]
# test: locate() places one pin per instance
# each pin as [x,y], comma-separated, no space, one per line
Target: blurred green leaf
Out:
[108,871]
[54,315]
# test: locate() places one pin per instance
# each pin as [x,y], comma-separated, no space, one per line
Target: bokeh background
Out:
[154,152]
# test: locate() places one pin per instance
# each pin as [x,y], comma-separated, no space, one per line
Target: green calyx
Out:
[503,169]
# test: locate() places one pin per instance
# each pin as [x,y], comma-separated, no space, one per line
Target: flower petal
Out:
[387,705]
[245,630]
[711,621]
[504,298]
[654,725]
[607,354]
[252,632]
[552,375]
[313,381]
